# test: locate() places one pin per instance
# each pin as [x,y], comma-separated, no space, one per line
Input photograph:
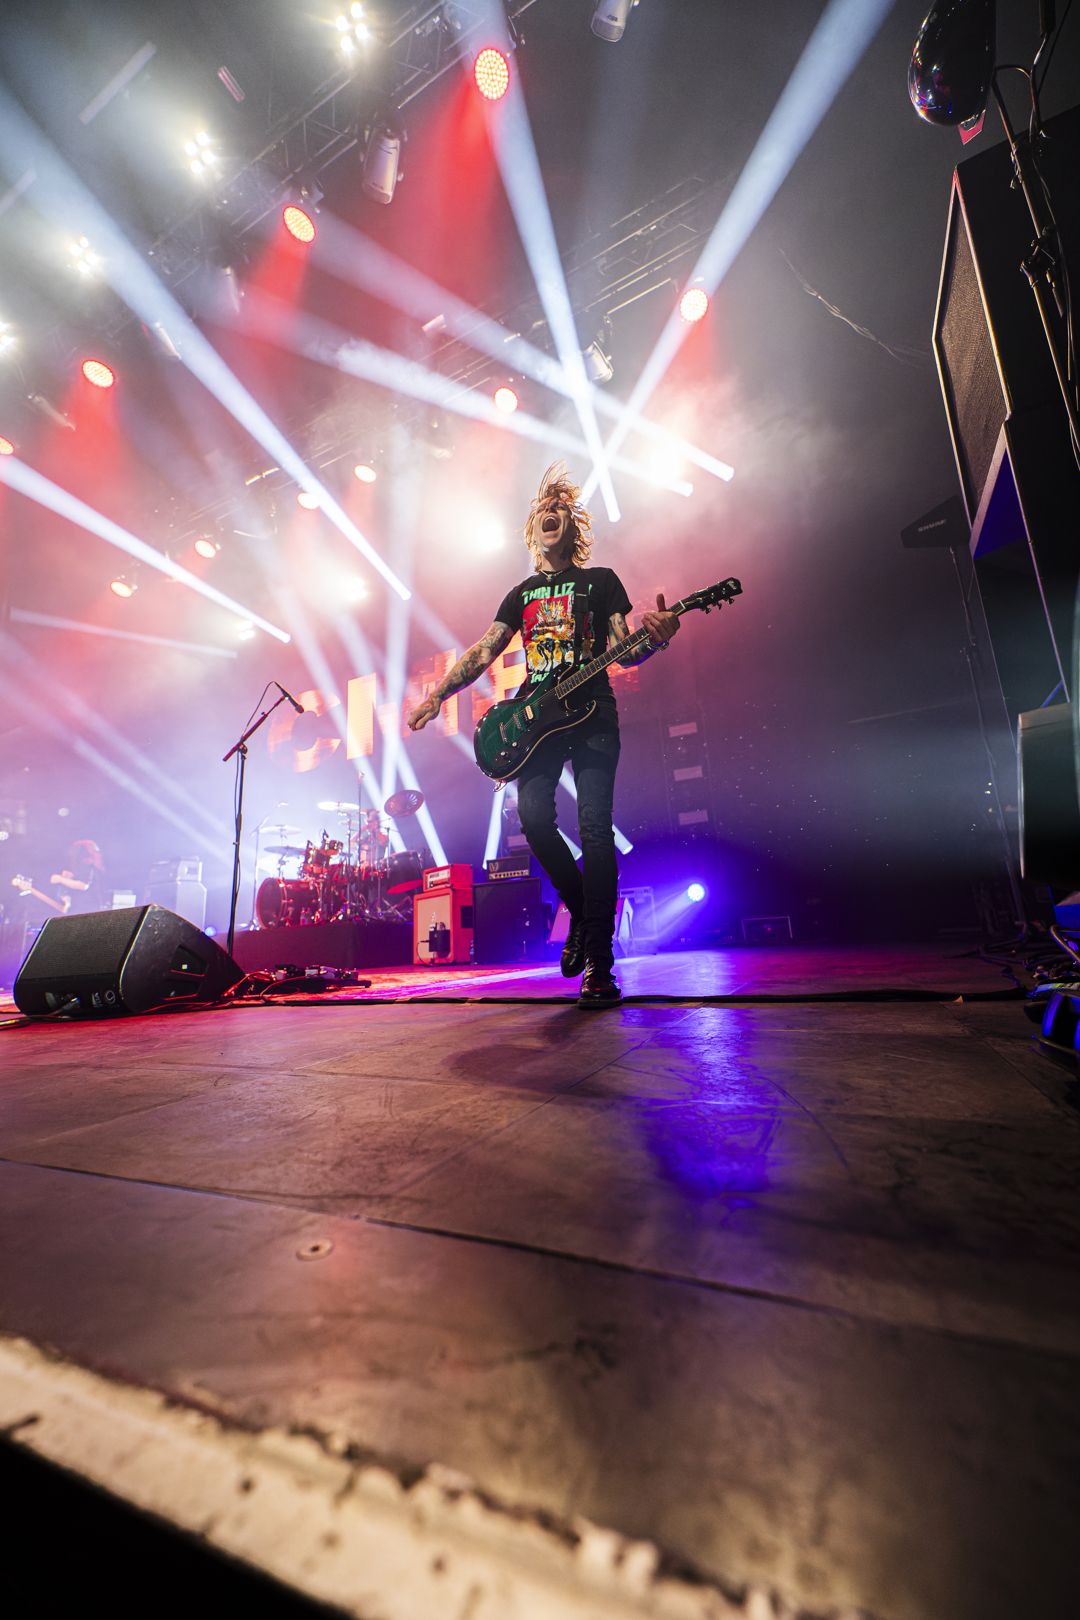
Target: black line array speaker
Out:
[1006,417]
[993,360]
[510,920]
[135,960]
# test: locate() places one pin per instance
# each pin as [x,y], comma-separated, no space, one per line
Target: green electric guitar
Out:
[510,732]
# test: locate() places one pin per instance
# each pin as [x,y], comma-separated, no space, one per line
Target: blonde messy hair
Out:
[557,481]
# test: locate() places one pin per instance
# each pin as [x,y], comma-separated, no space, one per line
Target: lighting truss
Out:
[426,41]
[636,255]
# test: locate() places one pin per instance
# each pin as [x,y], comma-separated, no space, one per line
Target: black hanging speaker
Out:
[992,358]
[134,960]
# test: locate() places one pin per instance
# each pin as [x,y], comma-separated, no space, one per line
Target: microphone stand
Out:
[240,747]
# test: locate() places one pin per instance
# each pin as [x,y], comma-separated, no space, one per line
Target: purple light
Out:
[696,892]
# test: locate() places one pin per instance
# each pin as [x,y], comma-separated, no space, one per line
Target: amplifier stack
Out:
[443,915]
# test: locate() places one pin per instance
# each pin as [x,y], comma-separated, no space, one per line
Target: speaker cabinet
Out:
[510,920]
[1007,422]
[442,926]
[135,960]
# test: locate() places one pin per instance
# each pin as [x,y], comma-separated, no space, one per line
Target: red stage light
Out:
[6,447]
[308,500]
[694,304]
[505,400]
[205,547]
[491,71]
[366,474]
[98,373]
[121,586]
[298,224]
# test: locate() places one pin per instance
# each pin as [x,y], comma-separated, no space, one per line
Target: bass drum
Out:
[285,902]
[404,872]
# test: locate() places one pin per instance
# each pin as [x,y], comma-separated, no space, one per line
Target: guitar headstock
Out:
[713,595]
[23,884]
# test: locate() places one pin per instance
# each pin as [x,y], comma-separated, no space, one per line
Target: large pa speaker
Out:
[1006,417]
[135,960]
[993,360]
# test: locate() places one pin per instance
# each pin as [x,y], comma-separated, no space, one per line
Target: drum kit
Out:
[345,879]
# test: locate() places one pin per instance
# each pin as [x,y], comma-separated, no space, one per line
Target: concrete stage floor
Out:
[787,1290]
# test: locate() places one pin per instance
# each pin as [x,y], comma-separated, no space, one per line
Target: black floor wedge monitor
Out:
[136,960]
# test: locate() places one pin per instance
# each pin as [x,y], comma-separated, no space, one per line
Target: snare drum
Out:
[285,902]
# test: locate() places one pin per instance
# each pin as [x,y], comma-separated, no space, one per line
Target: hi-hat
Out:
[282,830]
[283,849]
[336,804]
[405,802]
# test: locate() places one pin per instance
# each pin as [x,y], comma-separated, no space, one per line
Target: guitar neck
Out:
[632,644]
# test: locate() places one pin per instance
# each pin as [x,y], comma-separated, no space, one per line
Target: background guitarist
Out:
[567,613]
[81,880]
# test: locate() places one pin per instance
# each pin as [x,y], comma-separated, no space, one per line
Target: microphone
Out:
[299,707]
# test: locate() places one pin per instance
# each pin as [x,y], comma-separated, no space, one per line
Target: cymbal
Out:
[282,829]
[283,849]
[405,802]
[336,804]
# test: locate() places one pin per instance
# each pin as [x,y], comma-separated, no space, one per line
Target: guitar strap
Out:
[581,618]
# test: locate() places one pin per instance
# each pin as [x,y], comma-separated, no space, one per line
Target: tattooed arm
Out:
[469,666]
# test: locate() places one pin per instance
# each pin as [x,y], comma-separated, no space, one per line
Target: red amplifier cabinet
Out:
[443,923]
[455,876]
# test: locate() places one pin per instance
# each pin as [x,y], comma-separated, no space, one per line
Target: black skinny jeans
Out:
[591,894]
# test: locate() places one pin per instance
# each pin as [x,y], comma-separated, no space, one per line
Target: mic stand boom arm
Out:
[240,747]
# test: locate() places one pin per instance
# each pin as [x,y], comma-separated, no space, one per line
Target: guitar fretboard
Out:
[633,643]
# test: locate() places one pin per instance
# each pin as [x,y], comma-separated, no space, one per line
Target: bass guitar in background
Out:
[26,888]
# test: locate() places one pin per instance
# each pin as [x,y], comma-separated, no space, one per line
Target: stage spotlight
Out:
[98,373]
[8,340]
[598,366]
[505,400]
[206,547]
[364,473]
[696,892]
[953,62]
[353,30]
[491,70]
[382,163]
[123,586]
[355,590]
[6,447]
[203,155]
[84,259]
[245,630]
[298,224]
[694,304]
[610,18]
[307,500]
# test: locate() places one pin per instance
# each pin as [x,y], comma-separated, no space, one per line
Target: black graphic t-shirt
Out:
[542,608]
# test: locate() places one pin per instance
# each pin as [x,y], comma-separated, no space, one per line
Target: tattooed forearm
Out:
[472,663]
[619,630]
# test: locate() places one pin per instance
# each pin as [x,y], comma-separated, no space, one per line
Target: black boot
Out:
[599,987]
[573,952]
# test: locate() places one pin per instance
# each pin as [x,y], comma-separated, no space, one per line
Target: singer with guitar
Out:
[567,612]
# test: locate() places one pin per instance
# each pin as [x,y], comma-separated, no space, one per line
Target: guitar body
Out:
[510,732]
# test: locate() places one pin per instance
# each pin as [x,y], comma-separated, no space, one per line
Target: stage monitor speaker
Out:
[510,921]
[131,961]
[992,357]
